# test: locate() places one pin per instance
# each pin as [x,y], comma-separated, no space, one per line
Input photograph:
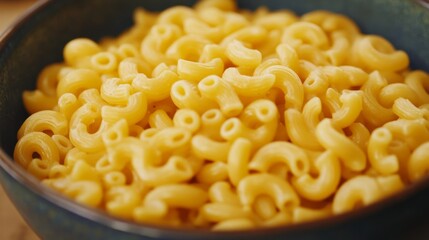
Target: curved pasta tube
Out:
[378,155]
[312,111]
[105,164]
[312,54]
[338,52]
[115,133]
[234,128]
[258,122]
[158,201]
[350,154]
[359,134]
[176,15]
[145,161]
[405,109]
[393,91]
[288,56]
[250,86]
[250,35]
[185,94]
[389,184]
[113,179]
[159,119]
[264,207]
[213,172]
[269,46]
[104,62]
[156,88]
[305,33]
[39,168]
[332,100]
[350,109]
[276,20]
[122,200]
[218,212]
[300,126]
[376,52]
[418,164]
[238,159]
[75,154]
[79,49]
[133,112]
[281,152]
[196,71]
[327,181]
[68,104]
[154,45]
[343,77]
[125,50]
[91,96]
[419,82]
[213,51]
[63,144]
[234,225]
[85,192]
[78,80]
[242,56]
[207,148]
[216,89]
[36,145]
[148,135]
[316,83]
[35,101]
[360,189]
[48,121]
[289,83]
[302,214]
[278,189]
[221,192]
[332,22]
[172,140]
[259,112]
[82,171]
[131,66]
[371,105]
[198,27]
[86,129]
[211,123]
[412,132]
[115,92]
[47,80]
[188,119]
[187,47]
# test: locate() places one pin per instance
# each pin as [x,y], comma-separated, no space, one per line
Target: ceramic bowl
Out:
[38,39]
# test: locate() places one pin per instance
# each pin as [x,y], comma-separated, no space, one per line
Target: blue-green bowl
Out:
[38,40]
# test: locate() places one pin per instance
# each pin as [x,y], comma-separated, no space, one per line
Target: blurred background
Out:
[12,225]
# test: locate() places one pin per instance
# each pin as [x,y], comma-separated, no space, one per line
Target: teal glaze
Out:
[39,39]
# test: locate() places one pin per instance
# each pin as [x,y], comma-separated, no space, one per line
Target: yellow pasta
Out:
[220,91]
[327,181]
[227,119]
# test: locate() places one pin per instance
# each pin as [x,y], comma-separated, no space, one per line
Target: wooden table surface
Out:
[12,227]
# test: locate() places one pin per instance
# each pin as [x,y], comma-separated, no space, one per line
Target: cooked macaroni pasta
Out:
[213,117]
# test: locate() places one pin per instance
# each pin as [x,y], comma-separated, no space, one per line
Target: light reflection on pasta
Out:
[213,117]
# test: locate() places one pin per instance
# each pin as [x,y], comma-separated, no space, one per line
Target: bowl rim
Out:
[30,183]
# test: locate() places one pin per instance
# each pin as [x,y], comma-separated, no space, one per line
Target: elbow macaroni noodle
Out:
[213,117]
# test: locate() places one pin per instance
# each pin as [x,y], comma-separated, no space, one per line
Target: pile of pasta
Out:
[220,118]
